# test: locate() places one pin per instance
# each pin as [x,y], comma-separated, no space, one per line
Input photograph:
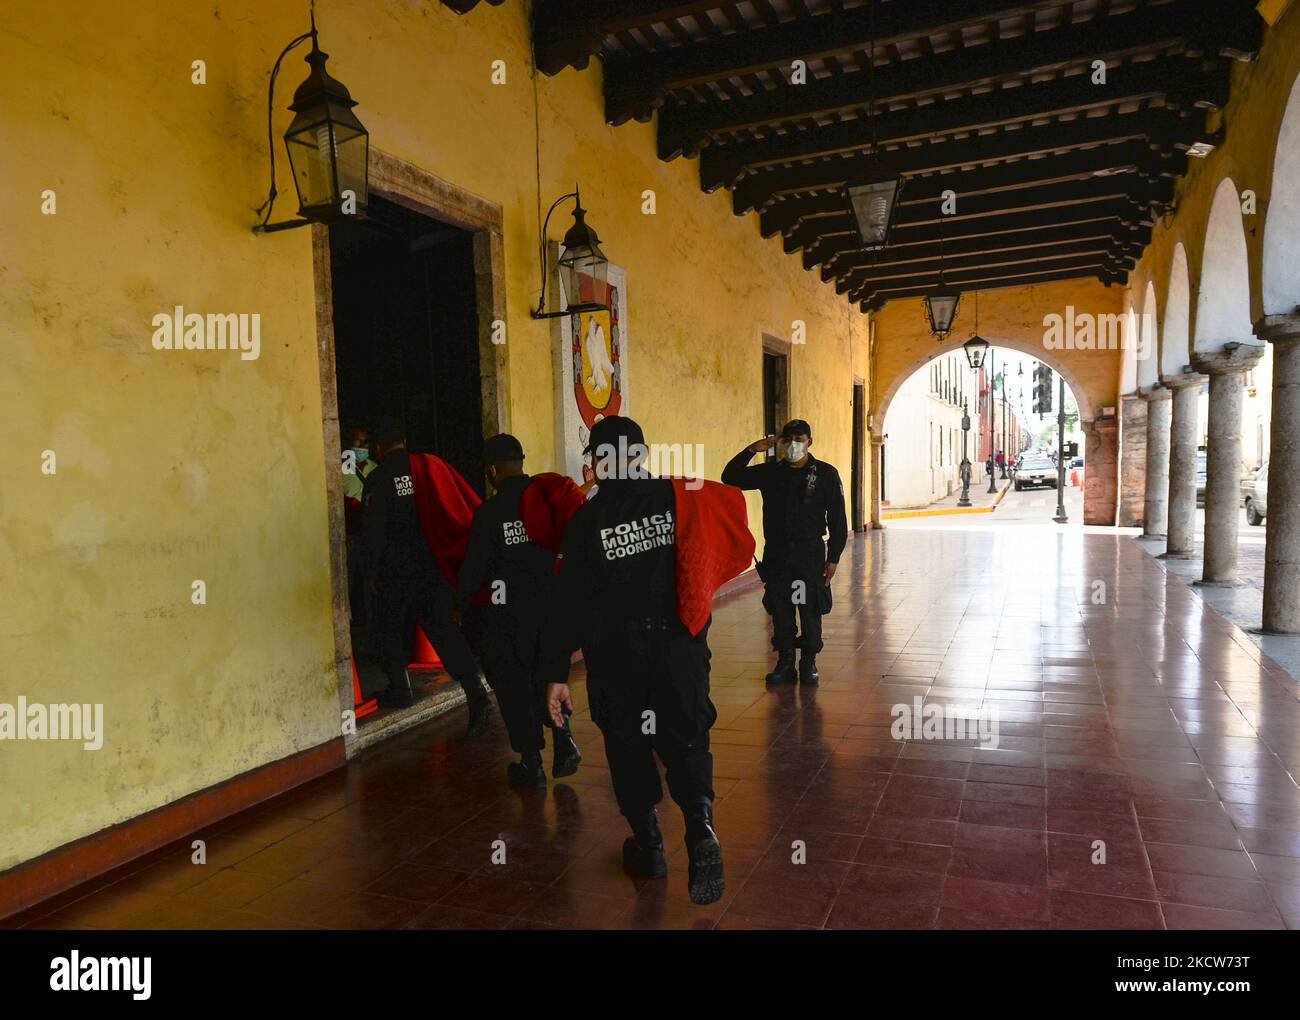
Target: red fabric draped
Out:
[446,504]
[548,503]
[713,545]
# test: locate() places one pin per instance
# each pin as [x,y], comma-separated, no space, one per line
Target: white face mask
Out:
[794,451]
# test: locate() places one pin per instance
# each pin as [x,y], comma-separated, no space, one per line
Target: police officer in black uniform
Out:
[520,576]
[803,499]
[399,566]
[647,677]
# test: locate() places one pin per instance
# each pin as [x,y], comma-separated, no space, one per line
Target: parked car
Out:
[1255,493]
[1035,471]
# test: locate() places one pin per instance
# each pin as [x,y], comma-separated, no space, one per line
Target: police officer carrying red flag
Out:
[803,500]
[399,564]
[515,563]
[647,671]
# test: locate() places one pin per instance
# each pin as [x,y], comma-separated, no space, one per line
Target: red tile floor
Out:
[1129,714]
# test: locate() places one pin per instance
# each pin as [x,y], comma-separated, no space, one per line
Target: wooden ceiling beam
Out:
[1181,83]
[636,85]
[686,127]
[1119,139]
[838,253]
[808,230]
[991,280]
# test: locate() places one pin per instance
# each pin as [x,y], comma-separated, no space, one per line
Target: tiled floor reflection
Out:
[1131,718]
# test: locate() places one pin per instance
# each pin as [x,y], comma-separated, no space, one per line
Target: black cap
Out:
[388,430]
[608,431]
[502,448]
[796,427]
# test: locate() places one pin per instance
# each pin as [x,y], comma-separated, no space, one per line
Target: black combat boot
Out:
[527,771]
[808,669]
[566,757]
[480,713]
[397,694]
[643,851]
[705,881]
[784,671]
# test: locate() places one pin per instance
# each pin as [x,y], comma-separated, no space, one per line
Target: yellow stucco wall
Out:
[177,466]
[1252,119]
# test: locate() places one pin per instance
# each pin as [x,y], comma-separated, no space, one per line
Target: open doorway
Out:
[408,305]
[776,387]
[858,456]
[405,344]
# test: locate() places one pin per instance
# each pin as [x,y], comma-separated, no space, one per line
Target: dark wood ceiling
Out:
[1056,177]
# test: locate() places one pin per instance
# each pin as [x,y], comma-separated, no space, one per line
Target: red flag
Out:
[548,503]
[713,544]
[446,504]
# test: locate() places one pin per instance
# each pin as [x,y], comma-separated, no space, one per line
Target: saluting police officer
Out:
[647,677]
[520,575]
[400,568]
[803,499]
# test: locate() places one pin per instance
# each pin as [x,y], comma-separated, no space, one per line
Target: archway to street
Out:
[926,443]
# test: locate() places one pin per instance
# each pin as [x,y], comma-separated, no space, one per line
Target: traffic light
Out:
[1072,450]
[1042,389]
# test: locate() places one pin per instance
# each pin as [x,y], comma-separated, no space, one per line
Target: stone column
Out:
[1226,369]
[1132,460]
[1181,535]
[1100,470]
[1155,513]
[1282,524]
[877,444]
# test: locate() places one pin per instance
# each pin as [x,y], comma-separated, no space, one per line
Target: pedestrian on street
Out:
[803,501]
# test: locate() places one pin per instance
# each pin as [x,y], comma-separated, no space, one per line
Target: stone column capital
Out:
[1233,359]
[1099,426]
[1156,392]
[1183,379]
[877,440]
[1279,328]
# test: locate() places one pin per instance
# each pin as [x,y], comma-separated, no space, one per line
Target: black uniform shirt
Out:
[392,542]
[617,564]
[500,550]
[799,504]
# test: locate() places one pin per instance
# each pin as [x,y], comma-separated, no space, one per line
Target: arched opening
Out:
[1281,282]
[1174,342]
[1128,373]
[1148,332]
[923,413]
[1223,296]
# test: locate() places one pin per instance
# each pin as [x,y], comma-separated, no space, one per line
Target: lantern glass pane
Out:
[942,309]
[328,152]
[873,209]
[585,271]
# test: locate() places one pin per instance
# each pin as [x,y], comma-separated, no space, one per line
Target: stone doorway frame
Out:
[429,195]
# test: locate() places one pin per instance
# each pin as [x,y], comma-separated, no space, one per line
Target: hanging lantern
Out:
[976,349]
[941,310]
[327,145]
[874,202]
[582,256]
[583,266]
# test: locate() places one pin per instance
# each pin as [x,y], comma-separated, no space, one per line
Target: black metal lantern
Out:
[941,310]
[581,258]
[874,202]
[976,349]
[328,146]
